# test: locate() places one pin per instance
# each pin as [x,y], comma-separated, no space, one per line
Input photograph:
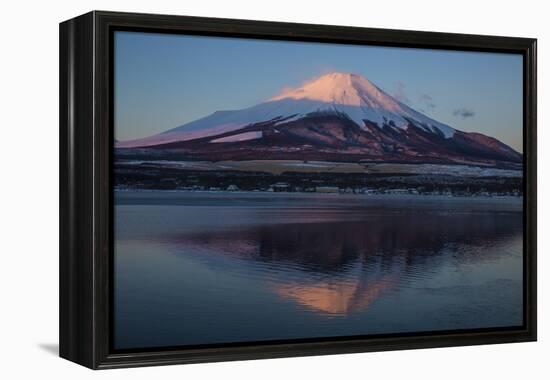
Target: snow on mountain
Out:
[360,99]
[245,136]
[342,93]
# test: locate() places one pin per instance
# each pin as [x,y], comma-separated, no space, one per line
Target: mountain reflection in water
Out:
[347,265]
[358,265]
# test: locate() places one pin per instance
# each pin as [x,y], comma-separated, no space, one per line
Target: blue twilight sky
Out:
[163,81]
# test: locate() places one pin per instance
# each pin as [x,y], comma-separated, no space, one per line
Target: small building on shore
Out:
[280,186]
[327,189]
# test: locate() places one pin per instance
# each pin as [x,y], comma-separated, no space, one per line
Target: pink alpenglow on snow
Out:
[367,101]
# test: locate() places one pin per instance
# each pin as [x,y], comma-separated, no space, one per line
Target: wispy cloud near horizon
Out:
[400,92]
[464,113]
[426,102]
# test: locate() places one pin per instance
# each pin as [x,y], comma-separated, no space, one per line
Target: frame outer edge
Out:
[76,275]
[85,179]
[65,62]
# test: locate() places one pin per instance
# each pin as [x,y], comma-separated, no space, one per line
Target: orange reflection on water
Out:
[336,298]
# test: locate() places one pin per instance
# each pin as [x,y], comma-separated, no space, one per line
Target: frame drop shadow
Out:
[51,348]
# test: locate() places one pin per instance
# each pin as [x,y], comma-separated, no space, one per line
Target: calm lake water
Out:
[204,268]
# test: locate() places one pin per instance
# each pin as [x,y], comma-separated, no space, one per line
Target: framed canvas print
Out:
[238,189]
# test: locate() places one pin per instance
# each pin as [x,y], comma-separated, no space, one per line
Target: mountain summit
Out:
[337,116]
[343,88]
[360,99]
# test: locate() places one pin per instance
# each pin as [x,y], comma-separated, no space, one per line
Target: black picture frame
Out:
[86,141]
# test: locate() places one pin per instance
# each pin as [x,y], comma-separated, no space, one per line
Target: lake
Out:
[197,268]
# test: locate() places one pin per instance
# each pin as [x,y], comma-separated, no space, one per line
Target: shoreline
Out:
[319,194]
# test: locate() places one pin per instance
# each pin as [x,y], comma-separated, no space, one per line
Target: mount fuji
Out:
[336,117]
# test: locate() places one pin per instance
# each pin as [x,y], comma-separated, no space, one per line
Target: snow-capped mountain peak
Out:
[360,99]
[344,93]
[341,88]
